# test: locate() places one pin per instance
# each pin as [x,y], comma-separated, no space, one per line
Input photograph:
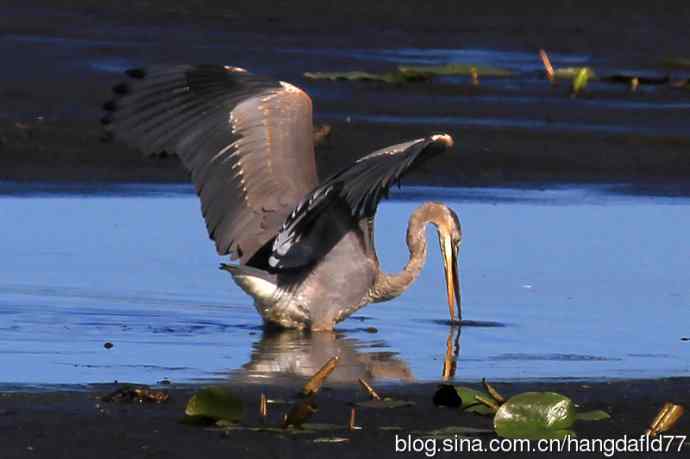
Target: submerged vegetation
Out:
[528,415]
[531,415]
[579,77]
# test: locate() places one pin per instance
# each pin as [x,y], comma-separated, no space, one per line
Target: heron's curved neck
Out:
[388,286]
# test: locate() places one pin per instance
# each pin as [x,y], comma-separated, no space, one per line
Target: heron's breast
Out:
[339,283]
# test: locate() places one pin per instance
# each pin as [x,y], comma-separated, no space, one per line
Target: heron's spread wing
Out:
[304,236]
[246,140]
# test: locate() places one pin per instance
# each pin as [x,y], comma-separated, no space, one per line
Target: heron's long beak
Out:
[450,266]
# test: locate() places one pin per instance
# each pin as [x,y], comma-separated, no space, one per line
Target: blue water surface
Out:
[564,283]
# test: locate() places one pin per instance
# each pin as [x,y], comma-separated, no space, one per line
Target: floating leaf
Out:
[469,402]
[581,79]
[535,415]
[568,73]
[390,77]
[454,70]
[331,440]
[278,430]
[595,415]
[322,426]
[214,403]
[450,431]
[386,402]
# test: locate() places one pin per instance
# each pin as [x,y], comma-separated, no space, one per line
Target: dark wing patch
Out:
[359,188]
[246,140]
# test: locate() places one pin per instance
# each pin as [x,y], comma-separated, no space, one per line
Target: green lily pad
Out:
[595,415]
[535,415]
[470,403]
[214,403]
[455,70]
[385,403]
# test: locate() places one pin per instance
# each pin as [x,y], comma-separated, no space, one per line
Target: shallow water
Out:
[568,283]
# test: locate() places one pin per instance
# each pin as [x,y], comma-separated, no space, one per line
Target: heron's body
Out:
[335,287]
[306,249]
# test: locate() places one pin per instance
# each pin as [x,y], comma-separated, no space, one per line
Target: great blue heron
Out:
[305,249]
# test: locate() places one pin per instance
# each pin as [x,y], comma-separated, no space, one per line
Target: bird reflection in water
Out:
[287,354]
[294,353]
[450,359]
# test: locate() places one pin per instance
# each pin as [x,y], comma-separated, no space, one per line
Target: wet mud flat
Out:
[507,130]
[74,423]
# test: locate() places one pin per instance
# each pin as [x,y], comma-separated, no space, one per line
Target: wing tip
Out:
[230,68]
[445,139]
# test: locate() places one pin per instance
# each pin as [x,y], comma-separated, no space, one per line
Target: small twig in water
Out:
[369,390]
[489,403]
[493,392]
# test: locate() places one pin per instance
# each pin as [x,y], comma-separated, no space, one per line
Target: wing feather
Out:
[246,140]
[359,188]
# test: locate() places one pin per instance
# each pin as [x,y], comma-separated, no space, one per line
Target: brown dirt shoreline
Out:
[68,424]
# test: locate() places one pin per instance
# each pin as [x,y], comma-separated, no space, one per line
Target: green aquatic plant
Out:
[531,415]
[535,415]
[388,77]
[455,70]
[409,74]
[469,400]
[594,415]
[581,79]
[213,404]
[568,73]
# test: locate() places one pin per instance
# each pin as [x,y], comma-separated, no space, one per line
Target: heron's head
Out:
[449,238]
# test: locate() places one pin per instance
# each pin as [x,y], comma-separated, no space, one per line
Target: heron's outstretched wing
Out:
[246,140]
[351,193]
